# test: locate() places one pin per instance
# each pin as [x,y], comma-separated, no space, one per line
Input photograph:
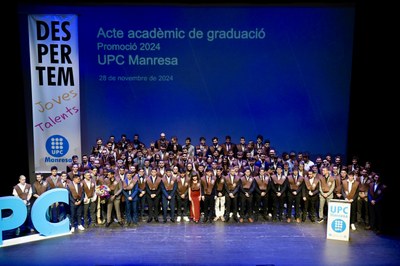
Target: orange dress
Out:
[195,201]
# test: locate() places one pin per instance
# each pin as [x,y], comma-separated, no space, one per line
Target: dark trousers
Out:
[278,206]
[208,206]
[76,214]
[131,210]
[142,204]
[182,205]
[89,213]
[376,216]
[293,199]
[246,206]
[154,206]
[231,205]
[310,206]
[168,203]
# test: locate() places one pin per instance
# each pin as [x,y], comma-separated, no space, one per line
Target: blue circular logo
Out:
[57,146]
[338,225]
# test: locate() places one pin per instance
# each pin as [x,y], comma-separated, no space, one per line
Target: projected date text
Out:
[150,78]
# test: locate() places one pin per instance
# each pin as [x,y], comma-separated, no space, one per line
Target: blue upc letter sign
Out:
[38,213]
[339,209]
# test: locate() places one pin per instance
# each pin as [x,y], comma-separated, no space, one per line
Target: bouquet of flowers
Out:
[103,191]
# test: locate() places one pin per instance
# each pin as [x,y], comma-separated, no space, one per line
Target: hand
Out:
[304,198]
[202,198]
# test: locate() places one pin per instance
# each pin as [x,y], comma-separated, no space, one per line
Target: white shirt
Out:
[350,185]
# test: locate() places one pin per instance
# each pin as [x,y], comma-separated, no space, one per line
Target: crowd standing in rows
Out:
[127,182]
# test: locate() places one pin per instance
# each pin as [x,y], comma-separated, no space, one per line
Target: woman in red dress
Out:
[194,197]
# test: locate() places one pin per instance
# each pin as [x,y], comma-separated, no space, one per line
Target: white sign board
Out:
[338,220]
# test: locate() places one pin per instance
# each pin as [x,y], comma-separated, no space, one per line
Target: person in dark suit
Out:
[130,191]
[182,195]
[153,190]
[141,179]
[168,189]
[278,190]
[208,194]
[247,186]
[310,193]
[376,196]
[261,191]
[232,187]
[75,190]
[295,186]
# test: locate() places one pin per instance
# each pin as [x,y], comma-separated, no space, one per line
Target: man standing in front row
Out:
[75,190]
[24,191]
[326,187]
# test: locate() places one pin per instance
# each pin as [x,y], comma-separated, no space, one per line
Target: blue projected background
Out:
[290,83]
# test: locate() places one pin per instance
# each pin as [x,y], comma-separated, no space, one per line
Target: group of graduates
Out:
[124,181]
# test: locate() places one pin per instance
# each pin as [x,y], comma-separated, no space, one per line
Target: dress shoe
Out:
[353,227]
[156,220]
[149,220]
[108,224]
[172,220]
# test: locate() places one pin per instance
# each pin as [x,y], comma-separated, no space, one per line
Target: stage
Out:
[219,243]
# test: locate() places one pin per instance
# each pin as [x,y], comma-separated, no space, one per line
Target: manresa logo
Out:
[57,145]
[338,225]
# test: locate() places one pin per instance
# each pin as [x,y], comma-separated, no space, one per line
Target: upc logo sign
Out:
[57,145]
[338,225]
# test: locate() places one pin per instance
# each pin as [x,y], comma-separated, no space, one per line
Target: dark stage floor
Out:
[261,243]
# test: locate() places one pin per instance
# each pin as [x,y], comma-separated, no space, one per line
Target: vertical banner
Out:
[53,41]
[338,220]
